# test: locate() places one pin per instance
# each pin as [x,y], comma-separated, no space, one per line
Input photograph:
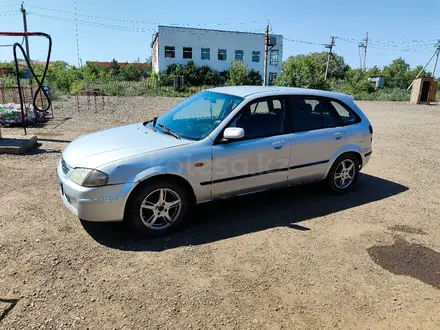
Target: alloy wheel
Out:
[161,208]
[344,174]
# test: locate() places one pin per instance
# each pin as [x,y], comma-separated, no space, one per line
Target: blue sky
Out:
[393,25]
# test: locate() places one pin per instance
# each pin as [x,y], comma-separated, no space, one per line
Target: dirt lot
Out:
[296,258]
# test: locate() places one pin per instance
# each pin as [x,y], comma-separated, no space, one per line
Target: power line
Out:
[12,13]
[11,5]
[421,48]
[95,24]
[304,42]
[144,22]
[119,27]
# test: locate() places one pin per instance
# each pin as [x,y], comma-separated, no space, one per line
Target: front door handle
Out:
[279,144]
[337,136]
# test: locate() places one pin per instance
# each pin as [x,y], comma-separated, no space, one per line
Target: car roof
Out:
[255,91]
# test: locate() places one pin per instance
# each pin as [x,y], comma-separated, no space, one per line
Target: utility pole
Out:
[364,45]
[330,49]
[266,52]
[23,11]
[436,60]
[365,53]
[77,37]
[426,65]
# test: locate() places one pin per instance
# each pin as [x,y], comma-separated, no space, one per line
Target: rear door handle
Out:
[337,136]
[279,144]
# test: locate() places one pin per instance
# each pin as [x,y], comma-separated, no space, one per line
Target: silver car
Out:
[219,143]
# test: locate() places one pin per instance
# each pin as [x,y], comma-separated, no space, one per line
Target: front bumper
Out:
[99,204]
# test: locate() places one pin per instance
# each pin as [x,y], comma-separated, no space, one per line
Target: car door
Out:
[260,159]
[317,134]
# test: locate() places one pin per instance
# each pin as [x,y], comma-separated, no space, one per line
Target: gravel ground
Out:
[296,258]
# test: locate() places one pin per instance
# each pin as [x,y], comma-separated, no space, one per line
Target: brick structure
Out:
[424,90]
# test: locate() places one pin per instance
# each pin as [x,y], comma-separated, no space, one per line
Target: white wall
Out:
[155,55]
[215,40]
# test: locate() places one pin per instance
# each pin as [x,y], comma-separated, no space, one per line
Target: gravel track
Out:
[292,259]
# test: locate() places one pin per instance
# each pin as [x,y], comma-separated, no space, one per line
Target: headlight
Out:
[89,178]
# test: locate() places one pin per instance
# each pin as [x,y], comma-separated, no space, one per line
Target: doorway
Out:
[425,91]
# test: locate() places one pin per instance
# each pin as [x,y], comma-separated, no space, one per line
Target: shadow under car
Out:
[251,213]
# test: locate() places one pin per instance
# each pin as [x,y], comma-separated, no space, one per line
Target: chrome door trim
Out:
[309,164]
[263,172]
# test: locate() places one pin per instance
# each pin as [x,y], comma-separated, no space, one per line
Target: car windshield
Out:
[196,117]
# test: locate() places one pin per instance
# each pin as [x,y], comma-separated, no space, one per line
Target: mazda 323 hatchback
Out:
[219,143]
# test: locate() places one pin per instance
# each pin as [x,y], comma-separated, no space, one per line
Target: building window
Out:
[255,56]
[274,57]
[272,77]
[206,54]
[187,52]
[170,51]
[222,55]
[239,55]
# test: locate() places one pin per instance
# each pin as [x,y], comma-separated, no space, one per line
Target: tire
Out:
[158,216]
[337,177]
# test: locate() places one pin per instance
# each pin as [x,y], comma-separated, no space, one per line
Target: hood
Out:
[107,146]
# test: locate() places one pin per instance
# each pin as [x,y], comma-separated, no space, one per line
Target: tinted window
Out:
[329,116]
[206,53]
[261,118]
[274,57]
[347,115]
[187,52]
[311,114]
[255,56]
[272,77]
[170,51]
[239,55]
[222,55]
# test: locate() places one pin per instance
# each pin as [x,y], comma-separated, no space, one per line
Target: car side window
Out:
[329,116]
[309,114]
[348,117]
[261,118]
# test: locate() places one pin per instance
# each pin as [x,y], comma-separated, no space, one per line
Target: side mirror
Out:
[233,133]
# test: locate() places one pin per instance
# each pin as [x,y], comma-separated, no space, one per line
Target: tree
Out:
[302,71]
[254,78]
[238,73]
[130,72]
[191,74]
[374,71]
[208,76]
[396,74]
[115,68]
[356,82]
[337,66]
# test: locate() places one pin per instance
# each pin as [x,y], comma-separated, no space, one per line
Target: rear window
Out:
[347,115]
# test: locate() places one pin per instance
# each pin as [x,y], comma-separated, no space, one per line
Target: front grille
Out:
[64,166]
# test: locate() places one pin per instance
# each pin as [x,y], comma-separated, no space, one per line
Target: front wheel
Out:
[343,174]
[158,208]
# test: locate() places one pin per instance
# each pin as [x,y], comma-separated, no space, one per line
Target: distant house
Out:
[215,48]
[121,64]
[6,71]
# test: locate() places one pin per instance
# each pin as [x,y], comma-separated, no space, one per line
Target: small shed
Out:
[378,81]
[424,90]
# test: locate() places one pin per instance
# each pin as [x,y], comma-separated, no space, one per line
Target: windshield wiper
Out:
[153,121]
[169,131]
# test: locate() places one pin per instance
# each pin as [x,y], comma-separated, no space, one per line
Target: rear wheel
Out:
[158,207]
[343,174]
